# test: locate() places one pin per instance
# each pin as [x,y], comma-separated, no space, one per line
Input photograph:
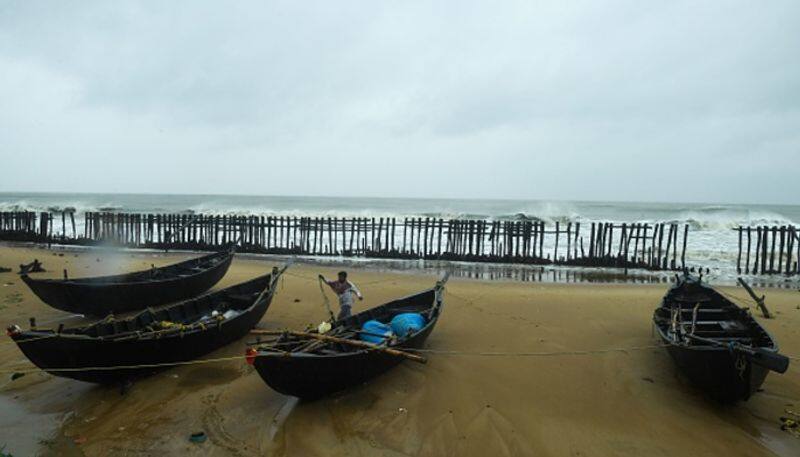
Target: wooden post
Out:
[353,234]
[757,256]
[789,248]
[394,227]
[739,254]
[405,230]
[419,235]
[555,248]
[747,258]
[665,262]
[441,227]
[764,248]
[780,250]
[774,231]
[759,300]
[541,238]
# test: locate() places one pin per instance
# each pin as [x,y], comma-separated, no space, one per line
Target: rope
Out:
[534,354]
[128,367]
[368,283]
[422,351]
[307,278]
[325,300]
[67,317]
[377,281]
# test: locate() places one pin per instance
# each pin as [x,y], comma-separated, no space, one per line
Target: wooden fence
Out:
[598,244]
[768,250]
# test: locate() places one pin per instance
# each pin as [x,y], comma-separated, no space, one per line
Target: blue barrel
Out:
[376,328]
[406,323]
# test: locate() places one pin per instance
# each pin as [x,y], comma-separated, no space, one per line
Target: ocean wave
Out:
[715,218]
[727,218]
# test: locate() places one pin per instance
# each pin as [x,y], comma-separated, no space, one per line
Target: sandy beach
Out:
[615,403]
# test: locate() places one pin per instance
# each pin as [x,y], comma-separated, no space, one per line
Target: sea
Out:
[713,243]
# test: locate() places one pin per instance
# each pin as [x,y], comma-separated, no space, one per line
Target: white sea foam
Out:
[712,242]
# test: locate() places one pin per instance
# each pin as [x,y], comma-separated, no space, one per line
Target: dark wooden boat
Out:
[721,348]
[311,369]
[142,343]
[100,296]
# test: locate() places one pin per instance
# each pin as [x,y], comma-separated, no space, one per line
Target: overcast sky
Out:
[604,100]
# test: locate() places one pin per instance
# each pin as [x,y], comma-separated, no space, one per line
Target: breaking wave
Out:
[699,217]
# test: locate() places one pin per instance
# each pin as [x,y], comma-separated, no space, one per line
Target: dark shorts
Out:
[344,312]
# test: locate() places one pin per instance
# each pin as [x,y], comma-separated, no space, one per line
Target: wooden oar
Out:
[760,356]
[356,343]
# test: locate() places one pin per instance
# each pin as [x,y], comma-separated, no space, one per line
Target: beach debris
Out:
[759,300]
[11,299]
[3,452]
[324,327]
[791,422]
[648,379]
[297,300]
[79,440]
[16,376]
[402,410]
[198,437]
[33,267]
[4,270]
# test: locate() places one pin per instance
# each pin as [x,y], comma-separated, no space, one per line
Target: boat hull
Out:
[714,371]
[102,299]
[708,337]
[74,356]
[310,377]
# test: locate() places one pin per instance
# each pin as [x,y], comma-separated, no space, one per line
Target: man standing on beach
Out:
[344,290]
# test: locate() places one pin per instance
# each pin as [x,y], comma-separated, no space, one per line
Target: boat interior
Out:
[205,310]
[705,313]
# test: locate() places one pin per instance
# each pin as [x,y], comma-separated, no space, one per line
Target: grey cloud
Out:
[578,100]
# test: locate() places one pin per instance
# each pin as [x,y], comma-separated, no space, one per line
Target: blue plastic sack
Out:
[376,327]
[406,323]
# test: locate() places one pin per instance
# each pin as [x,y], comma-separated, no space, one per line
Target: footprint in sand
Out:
[439,441]
[487,433]
[214,427]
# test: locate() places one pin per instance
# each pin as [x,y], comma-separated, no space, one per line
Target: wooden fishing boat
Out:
[720,347]
[111,351]
[102,295]
[309,368]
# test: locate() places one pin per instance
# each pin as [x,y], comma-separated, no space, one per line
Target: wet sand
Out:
[617,403]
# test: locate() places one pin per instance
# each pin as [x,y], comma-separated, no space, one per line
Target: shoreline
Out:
[482,271]
[618,403]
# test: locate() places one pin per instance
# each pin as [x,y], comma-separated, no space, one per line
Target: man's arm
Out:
[329,283]
[355,289]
